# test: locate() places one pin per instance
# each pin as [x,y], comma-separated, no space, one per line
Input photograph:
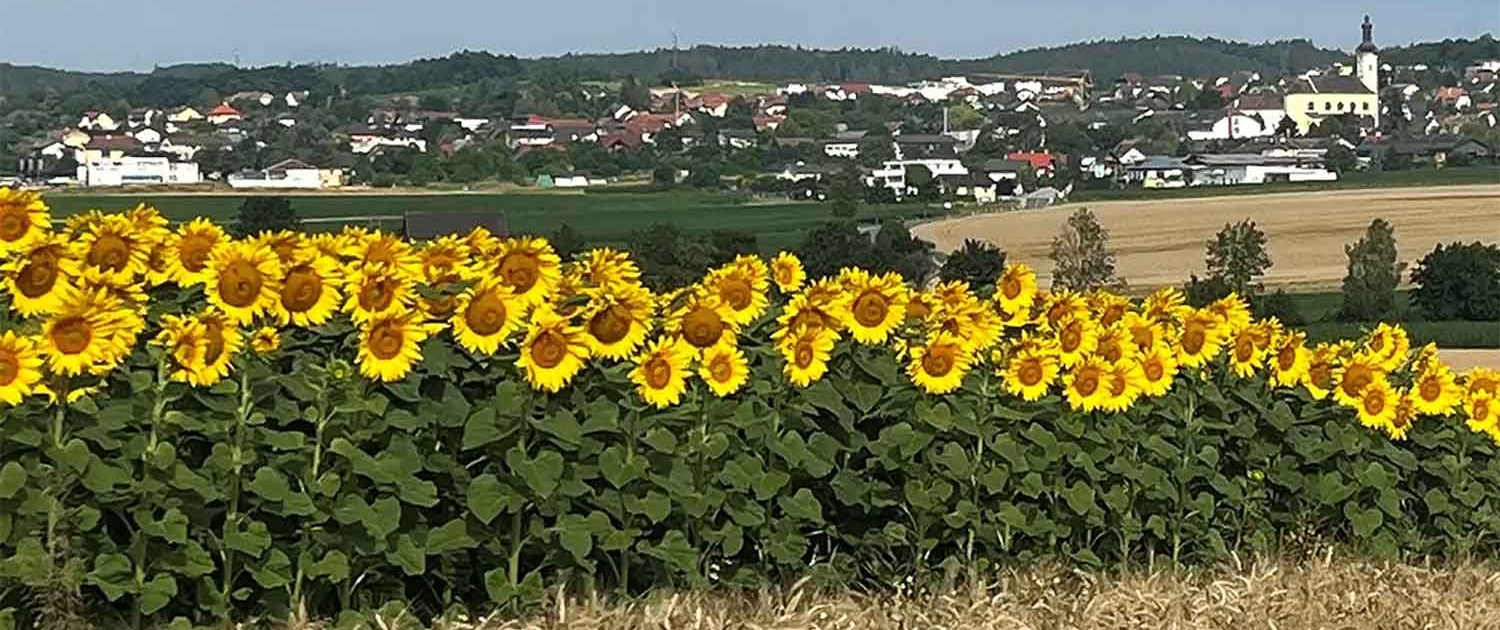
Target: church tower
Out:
[1367,59]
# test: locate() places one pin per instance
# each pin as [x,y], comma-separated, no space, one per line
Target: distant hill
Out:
[1455,54]
[1176,55]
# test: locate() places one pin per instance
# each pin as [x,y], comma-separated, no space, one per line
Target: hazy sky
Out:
[136,34]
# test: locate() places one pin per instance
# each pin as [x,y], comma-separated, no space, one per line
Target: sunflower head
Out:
[485,316]
[20,368]
[529,267]
[375,290]
[787,272]
[741,288]
[1376,404]
[553,352]
[36,278]
[604,267]
[807,354]
[1202,338]
[1405,416]
[875,306]
[1245,355]
[1482,379]
[1087,385]
[309,293]
[1108,307]
[1030,372]
[1015,289]
[1435,390]
[724,368]
[86,333]
[1322,364]
[244,280]
[1063,305]
[1077,337]
[1483,411]
[265,340]
[1354,376]
[390,251]
[939,366]
[1290,359]
[699,320]
[618,319]
[1123,385]
[1158,368]
[661,371]
[24,220]
[390,345]
[1231,310]
[1166,305]
[112,249]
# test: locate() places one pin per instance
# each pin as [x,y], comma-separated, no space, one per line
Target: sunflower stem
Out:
[54,504]
[231,517]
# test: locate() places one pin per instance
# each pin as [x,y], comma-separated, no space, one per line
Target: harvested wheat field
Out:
[1266,594]
[1160,242]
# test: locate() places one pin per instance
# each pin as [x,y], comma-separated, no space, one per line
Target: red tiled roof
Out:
[855,88]
[112,142]
[1037,159]
[1450,93]
[224,110]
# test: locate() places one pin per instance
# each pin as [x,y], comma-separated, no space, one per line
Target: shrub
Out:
[1370,285]
[1459,281]
[265,214]
[1082,260]
[977,263]
[1237,257]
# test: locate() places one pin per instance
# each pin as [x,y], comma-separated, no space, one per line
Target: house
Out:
[712,103]
[1437,150]
[792,141]
[767,122]
[143,117]
[184,114]
[295,99]
[1454,97]
[186,147]
[920,145]
[264,99]
[471,124]
[1159,171]
[288,174]
[137,169]
[846,91]
[147,135]
[107,147]
[1310,99]
[98,121]
[841,148]
[286,120]
[1232,125]
[892,173]
[975,186]
[802,171]
[1001,171]
[223,114]
[773,105]
[1228,169]
[620,140]
[363,140]
[737,138]
[1044,163]
[74,138]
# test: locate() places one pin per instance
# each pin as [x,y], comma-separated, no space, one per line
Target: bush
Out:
[265,214]
[1237,257]
[1082,260]
[977,263]
[1458,281]
[1370,285]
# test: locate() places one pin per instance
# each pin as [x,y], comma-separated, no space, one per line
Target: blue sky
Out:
[136,34]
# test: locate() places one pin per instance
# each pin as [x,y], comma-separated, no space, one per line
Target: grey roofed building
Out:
[1425,146]
[999,165]
[429,225]
[1329,84]
[850,135]
[924,138]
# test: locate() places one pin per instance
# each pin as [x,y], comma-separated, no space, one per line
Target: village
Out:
[981,138]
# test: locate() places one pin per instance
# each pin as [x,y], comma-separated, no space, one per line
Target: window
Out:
[1366,107]
[1341,107]
[1327,106]
[1311,106]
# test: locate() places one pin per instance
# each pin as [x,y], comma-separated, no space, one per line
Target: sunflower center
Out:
[1143,336]
[1112,351]
[1320,374]
[1431,389]
[549,349]
[10,367]
[1286,358]
[1112,314]
[610,324]
[376,295]
[1154,370]
[721,369]
[520,271]
[302,289]
[72,335]
[736,293]
[1010,287]
[1118,384]
[1070,338]
[240,283]
[1374,402]
[702,327]
[1087,382]
[13,223]
[1356,379]
[38,276]
[386,339]
[1244,348]
[1481,409]
[110,252]
[1031,373]
[381,251]
[871,308]
[785,275]
[658,373]
[193,251]
[938,361]
[486,314]
[1193,338]
[804,355]
[1377,343]
[214,330]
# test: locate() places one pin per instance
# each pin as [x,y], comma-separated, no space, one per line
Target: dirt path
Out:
[1461,360]
[1160,242]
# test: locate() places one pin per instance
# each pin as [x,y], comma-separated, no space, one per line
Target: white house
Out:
[147,135]
[472,124]
[296,99]
[892,173]
[1230,169]
[285,174]
[98,121]
[1233,125]
[184,115]
[137,170]
[841,148]
[361,142]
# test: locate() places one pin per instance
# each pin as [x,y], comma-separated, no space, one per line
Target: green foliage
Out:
[895,249]
[1081,256]
[1374,273]
[1340,159]
[1459,281]
[1237,257]
[833,246]
[670,258]
[567,241]
[265,214]
[978,263]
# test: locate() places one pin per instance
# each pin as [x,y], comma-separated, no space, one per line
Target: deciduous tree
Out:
[1082,260]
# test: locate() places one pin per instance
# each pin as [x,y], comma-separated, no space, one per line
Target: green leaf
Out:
[417,491]
[174,526]
[269,484]
[334,566]
[937,415]
[251,540]
[676,552]
[955,459]
[76,454]
[384,517]
[450,537]
[1080,497]
[661,440]
[157,593]
[487,498]
[12,479]
[769,484]
[802,505]
[562,424]
[612,465]
[408,556]
[481,429]
[541,474]
[190,560]
[600,416]
[576,535]
[864,396]
[112,574]
[275,572]
[1363,521]
[655,506]
[406,420]
[823,395]
[1437,501]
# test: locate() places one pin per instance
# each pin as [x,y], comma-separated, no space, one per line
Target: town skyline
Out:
[167,38]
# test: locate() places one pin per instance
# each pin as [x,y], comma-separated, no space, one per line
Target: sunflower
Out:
[1108,307]
[265,340]
[529,267]
[1061,306]
[724,368]
[225,340]
[877,304]
[661,371]
[1483,412]
[953,295]
[817,307]
[390,344]
[699,320]
[37,277]
[186,342]
[939,366]
[787,272]
[244,281]
[1124,385]
[1481,379]
[920,305]
[485,316]
[309,293]
[1290,359]
[284,243]
[1116,343]
[1435,390]
[1377,404]
[741,287]
[985,328]
[20,366]
[1245,355]
[1231,310]
[1144,333]
[148,224]
[807,354]
[1158,368]
[1030,372]
[617,320]
[24,220]
[112,249]
[605,267]
[330,245]
[1353,377]
[1201,340]
[1165,305]
[84,334]
[553,352]
[389,251]
[1087,385]
[1321,366]
[1076,338]
[481,242]
[1388,345]
[444,260]
[376,290]
[1015,289]
[1404,418]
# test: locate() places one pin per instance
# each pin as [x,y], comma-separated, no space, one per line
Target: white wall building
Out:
[287,174]
[137,170]
[892,174]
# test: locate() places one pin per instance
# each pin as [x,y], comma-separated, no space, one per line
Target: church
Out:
[1309,100]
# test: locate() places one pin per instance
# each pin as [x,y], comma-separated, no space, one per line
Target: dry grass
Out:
[1160,242]
[1268,594]
[1464,359]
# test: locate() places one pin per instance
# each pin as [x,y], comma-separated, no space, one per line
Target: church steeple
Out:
[1367,43]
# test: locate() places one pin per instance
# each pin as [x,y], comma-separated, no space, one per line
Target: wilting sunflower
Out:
[1483,412]
[1435,390]
[37,277]
[113,250]
[244,280]
[1202,338]
[1087,385]
[265,340]
[1377,404]
[1015,289]
[661,371]
[83,335]
[1290,359]
[529,267]
[939,366]
[24,220]
[553,352]
[20,366]
[699,320]
[1321,366]
[1481,379]
[787,272]
[1245,355]
[1123,385]
[807,354]
[877,304]
[617,320]
[605,267]
[1231,310]
[1158,368]
[309,290]
[185,340]
[741,287]
[724,368]
[485,316]
[390,344]
[1404,418]
[1353,377]
[376,290]
[1076,338]
[1388,345]
[1030,372]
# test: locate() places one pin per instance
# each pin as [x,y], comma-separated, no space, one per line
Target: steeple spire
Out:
[1367,42]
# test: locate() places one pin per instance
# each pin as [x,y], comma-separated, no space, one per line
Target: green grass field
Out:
[1320,310]
[1451,176]
[603,217]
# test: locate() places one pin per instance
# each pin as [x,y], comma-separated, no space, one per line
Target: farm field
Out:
[1160,242]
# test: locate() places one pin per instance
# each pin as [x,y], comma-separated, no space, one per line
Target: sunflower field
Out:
[211,428]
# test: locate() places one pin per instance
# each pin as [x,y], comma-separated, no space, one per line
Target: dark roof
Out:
[428,225]
[924,138]
[1264,100]
[1424,145]
[1000,165]
[1329,84]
